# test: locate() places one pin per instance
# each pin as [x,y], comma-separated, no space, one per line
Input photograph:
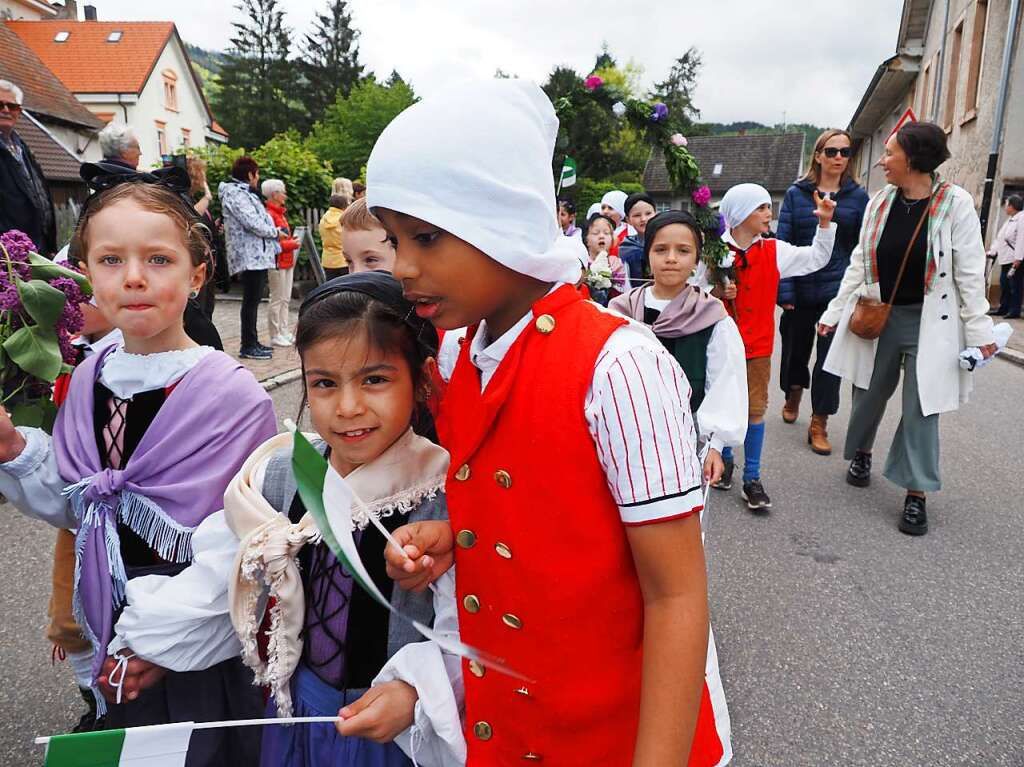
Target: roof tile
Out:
[44,93]
[58,163]
[773,161]
[86,62]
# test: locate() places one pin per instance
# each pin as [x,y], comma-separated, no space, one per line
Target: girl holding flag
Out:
[333,650]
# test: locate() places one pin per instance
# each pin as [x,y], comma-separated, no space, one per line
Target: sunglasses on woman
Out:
[831,151]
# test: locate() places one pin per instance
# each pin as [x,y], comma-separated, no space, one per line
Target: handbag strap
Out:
[910,247]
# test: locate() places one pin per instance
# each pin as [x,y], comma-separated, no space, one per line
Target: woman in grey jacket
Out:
[252,246]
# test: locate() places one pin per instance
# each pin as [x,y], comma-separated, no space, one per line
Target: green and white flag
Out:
[162,745]
[335,525]
[568,173]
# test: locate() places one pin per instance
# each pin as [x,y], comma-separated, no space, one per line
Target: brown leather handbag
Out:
[870,316]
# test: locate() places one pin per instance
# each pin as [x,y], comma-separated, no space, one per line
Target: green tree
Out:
[351,125]
[285,156]
[258,82]
[330,62]
[676,91]
[601,144]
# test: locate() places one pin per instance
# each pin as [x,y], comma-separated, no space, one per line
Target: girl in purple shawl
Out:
[142,450]
[695,327]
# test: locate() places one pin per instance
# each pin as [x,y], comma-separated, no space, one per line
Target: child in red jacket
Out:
[760,263]
[575,489]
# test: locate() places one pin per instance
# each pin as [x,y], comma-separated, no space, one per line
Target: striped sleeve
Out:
[639,417]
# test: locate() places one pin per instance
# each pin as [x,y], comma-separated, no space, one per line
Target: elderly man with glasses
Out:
[27,205]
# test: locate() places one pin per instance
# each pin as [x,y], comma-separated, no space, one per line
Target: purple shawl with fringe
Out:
[688,313]
[216,415]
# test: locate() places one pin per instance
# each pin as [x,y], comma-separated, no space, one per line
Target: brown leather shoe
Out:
[817,435]
[791,410]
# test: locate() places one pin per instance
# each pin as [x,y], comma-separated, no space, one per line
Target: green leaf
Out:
[49,415]
[35,350]
[28,414]
[43,302]
[45,269]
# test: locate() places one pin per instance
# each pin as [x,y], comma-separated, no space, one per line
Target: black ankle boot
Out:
[915,519]
[859,473]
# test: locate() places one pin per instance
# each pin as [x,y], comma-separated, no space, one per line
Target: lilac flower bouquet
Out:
[39,314]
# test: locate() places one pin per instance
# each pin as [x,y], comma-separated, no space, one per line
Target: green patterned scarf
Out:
[878,213]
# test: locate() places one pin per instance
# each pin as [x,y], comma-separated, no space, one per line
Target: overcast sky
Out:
[811,60]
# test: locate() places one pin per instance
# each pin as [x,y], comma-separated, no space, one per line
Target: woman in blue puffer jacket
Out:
[803,299]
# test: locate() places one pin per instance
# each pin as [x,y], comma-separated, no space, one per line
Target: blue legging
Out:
[752,445]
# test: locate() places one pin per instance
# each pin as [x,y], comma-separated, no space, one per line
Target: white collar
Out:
[114,338]
[487,355]
[727,238]
[128,374]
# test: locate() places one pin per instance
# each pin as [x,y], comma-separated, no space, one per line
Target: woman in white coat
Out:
[939,309]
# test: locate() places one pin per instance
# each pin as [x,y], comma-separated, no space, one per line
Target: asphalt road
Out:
[841,641]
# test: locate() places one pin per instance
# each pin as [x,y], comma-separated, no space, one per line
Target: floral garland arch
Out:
[651,119]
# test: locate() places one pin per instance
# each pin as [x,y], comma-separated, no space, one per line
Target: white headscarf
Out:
[475,161]
[595,208]
[742,200]
[616,200]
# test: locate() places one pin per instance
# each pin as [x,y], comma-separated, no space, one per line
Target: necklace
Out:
[909,204]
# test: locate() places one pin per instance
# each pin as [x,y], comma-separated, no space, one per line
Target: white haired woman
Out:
[275,194]
[120,145]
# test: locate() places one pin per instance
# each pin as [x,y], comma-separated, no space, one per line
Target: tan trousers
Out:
[63,631]
[280,296]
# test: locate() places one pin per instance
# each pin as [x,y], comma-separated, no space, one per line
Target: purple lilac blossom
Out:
[659,113]
[71,317]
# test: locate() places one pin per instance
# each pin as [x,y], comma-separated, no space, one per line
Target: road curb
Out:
[1012,356]
[287,377]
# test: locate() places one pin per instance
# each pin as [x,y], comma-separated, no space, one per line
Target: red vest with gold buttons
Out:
[757,285]
[544,574]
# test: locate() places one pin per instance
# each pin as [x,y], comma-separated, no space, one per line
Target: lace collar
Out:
[128,374]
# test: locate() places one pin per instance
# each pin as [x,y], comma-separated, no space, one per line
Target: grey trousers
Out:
[913,461]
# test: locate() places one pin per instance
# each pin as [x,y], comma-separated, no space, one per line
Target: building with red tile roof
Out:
[136,72]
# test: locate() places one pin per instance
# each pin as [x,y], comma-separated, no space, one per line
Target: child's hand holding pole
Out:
[428,550]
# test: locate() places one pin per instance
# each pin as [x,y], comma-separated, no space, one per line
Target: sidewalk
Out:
[1014,351]
[283,368]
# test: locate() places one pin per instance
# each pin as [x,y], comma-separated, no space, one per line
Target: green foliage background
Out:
[351,126]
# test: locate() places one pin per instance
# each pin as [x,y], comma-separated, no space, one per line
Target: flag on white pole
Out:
[568,172]
[162,745]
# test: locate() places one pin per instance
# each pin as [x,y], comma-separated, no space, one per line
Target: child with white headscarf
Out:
[760,263]
[560,493]
[613,205]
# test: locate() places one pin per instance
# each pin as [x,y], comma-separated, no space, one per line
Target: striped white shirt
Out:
[638,413]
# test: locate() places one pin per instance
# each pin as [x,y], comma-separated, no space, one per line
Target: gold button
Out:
[503,478]
[463,473]
[545,323]
[503,551]
[532,757]
[524,691]
[477,668]
[511,621]
[471,603]
[466,539]
[483,730]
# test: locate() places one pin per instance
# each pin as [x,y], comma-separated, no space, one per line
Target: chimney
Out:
[69,10]
[90,13]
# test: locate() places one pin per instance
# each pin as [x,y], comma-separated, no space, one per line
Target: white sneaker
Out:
[281,341]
